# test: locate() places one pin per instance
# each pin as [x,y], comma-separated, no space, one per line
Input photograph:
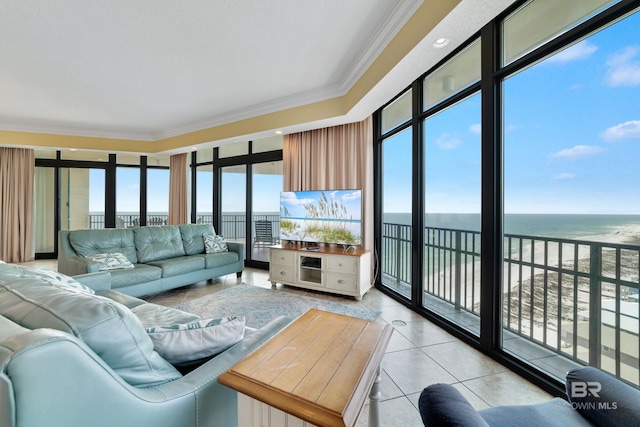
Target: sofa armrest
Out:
[69,262]
[602,398]
[100,281]
[236,247]
[442,405]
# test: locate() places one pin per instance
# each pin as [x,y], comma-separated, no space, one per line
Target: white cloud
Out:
[577,152]
[448,141]
[351,196]
[623,69]
[578,51]
[475,128]
[290,198]
[626,130]
[565,175]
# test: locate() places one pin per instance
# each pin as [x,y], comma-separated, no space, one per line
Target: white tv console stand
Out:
[328,269]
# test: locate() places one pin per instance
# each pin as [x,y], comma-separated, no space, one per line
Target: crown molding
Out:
[75,131]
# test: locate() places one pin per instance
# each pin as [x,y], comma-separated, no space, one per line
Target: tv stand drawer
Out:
[342,264]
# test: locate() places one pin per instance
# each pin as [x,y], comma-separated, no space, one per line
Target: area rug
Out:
[261,305]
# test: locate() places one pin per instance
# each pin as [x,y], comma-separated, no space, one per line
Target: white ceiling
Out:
[150,69]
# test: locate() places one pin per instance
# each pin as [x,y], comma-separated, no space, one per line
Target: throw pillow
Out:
[110,261]
[215,244]
[196,340]
[65,282]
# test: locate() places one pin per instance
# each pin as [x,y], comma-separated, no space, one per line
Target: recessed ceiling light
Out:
[279,132]
[72,149]
[441,42]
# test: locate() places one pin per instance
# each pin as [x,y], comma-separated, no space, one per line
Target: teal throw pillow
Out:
[215,244]
[111,261]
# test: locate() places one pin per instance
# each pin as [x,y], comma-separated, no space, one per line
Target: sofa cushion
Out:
[192,237]
[110,329]
[124,299]
[10,272]
[157,243]
[219,259]
[181,265]
[63,281]
[443,405]
[142,273]
[602,398]
[182,343]
[91,242]
[555,412]
[154,314]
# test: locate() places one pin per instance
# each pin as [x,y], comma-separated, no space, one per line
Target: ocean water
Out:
[566,226]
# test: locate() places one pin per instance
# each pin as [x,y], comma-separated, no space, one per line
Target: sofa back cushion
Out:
[158,242]
[104,241]
[110,329]
[192,237]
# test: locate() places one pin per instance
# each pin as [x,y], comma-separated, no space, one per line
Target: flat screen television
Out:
[323,216]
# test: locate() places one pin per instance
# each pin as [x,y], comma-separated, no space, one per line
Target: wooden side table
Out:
[319,370]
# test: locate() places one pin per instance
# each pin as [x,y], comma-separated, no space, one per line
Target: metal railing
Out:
[233,225]
[575,298]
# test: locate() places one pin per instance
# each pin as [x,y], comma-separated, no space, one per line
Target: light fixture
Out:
[278,132]
[441,42]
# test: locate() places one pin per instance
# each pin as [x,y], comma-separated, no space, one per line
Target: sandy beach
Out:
[550,255]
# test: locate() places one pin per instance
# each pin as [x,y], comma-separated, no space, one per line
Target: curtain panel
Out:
[178,189]
[17,168]
[334,158]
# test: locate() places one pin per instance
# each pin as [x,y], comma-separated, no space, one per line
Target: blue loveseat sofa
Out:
[77,358]
[163,257]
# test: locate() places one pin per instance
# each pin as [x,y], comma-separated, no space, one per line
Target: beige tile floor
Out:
[419,354]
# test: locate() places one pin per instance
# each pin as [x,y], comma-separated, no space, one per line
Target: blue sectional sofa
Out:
[76,358]
[163,257]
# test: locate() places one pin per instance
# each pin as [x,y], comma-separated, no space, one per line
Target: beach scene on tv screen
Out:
[330,216]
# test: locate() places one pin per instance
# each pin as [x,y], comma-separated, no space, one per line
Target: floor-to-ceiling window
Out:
[452,191]
[81,198]
[157,190]
[234,203]
[396,153]
[236,186]
[265,218]
[529,196]
[571,198]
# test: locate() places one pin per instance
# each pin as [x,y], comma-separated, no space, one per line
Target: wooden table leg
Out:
[374,402]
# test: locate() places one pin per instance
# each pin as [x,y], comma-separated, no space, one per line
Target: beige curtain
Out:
[178,190]
[335,158]
[17,166]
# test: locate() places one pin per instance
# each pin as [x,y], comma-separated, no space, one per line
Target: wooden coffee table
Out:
[319,370]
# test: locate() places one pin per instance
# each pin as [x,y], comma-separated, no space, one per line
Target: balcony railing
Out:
[233,225]
[574,299]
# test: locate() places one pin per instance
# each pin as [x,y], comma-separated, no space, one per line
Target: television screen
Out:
[323,216]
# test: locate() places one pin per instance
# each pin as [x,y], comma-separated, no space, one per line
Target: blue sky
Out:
[294,202]
[572,137]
